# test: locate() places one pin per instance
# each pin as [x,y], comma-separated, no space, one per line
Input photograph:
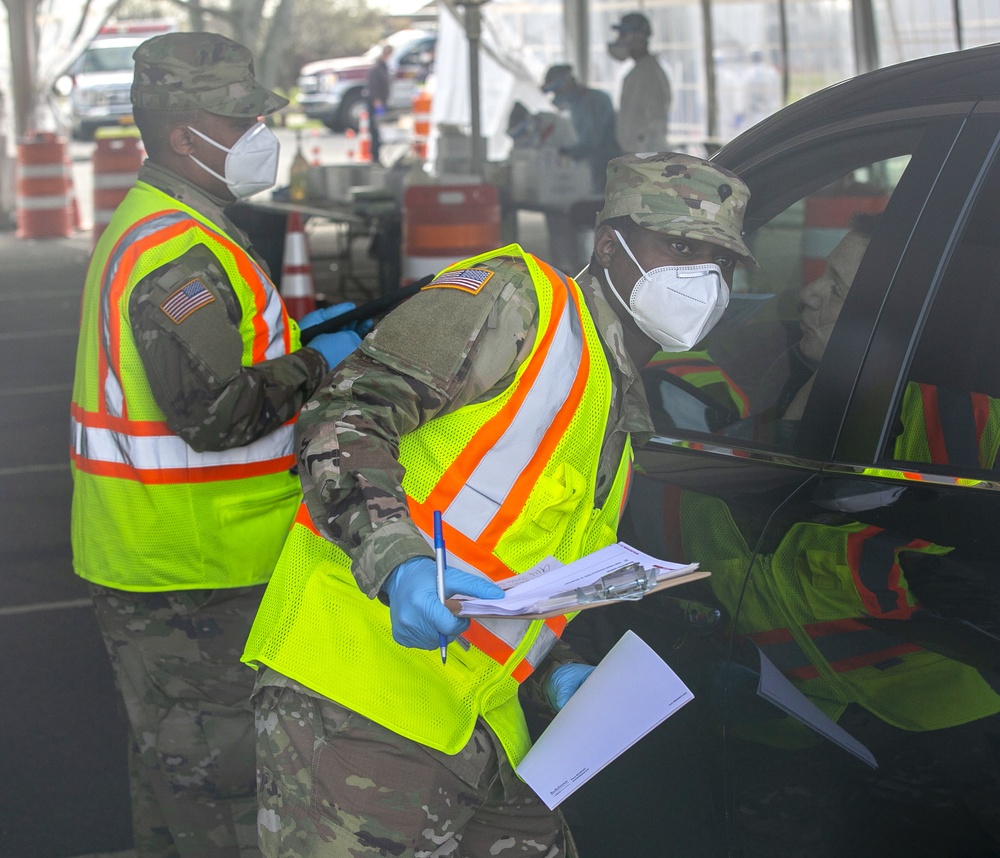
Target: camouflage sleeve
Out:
[444,348]
[194,365]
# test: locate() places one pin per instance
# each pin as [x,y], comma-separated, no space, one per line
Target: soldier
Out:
[514,417]
[189,376]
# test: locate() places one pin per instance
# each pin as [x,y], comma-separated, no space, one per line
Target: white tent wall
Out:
[820,38]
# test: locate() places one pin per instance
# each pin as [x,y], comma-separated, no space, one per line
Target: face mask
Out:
[675,305]
[618,50]
[251,164]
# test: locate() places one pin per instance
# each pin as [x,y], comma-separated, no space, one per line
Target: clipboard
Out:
[454,605]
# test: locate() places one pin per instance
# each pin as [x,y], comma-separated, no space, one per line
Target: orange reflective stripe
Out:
[122,425]
[465,463]
[170,476]
[872,558]
[517,498]
[116,289]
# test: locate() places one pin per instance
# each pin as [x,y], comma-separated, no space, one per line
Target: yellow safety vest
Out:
[948,427]
[149,512]
[801,604]
[515,479]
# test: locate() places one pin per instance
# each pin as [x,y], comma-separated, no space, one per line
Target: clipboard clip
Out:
[629,583]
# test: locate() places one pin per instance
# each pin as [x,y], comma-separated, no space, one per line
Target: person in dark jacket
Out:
[378,97]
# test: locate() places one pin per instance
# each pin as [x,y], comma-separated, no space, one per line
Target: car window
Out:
[750,378]
[947,412]
[110,59]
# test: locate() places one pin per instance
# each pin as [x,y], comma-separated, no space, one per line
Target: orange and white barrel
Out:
[364,150]
[116,160]
[420,108]
[827,220]
[44,187]
[445,223]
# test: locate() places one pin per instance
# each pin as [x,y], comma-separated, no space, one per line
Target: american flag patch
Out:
[186,300]
[468,279]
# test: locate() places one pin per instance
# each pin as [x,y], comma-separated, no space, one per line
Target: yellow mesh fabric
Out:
[312,590]
[144,537]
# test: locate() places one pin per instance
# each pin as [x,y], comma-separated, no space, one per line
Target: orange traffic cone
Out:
[364,151]
[297,287]
[349,134]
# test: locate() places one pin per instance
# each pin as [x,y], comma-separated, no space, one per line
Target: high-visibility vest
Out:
[515,479]
[698,369]
[149,512]
[800,606]
[948,427]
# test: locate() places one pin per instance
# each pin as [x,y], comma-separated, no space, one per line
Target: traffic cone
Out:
[364,151]
[297,288]
[349,134]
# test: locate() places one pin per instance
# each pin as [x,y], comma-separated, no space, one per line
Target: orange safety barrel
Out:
[420,109]
[827,220]
[44,187]
[445,223]
[116,165]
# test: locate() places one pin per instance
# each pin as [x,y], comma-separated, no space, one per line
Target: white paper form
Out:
[630,692]
[777,689]
[527,592]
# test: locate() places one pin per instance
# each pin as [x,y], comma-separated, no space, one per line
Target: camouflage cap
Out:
[679,195]
[188,71]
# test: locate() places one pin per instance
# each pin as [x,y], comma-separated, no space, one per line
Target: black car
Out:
[829,454]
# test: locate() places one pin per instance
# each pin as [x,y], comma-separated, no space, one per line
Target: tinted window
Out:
[948,410]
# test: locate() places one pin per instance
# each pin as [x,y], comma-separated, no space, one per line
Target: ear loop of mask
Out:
[255,128]
[607,274]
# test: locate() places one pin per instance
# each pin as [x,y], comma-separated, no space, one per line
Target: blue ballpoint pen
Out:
[439,556]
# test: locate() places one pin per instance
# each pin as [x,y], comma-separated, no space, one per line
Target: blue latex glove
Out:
[335,347]
[563,682]
[360,327]
[416,614]
[324,313]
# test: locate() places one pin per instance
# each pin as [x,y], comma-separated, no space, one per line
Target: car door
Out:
[745,477]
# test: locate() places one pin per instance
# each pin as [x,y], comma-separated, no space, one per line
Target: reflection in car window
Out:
[948,412]
[751,377]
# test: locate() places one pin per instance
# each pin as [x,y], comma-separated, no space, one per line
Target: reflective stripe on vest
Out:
[847,644]
[699,370]
[948,427]
[110,443]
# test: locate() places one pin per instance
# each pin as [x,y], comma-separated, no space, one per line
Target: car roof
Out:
[950,78]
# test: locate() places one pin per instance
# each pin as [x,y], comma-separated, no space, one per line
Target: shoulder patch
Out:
[182,303]
[470,280]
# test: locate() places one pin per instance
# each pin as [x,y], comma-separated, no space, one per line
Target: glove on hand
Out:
[360,327]
[324,313]
[335,347]
[564,681]
[417,616]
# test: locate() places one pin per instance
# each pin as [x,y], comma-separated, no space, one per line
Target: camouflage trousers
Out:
[333,784]
[176,659]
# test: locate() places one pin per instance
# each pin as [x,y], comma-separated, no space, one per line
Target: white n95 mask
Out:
[675,305]
[251,163]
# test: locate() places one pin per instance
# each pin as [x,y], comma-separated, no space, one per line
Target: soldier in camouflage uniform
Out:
[338,782]
[188,376]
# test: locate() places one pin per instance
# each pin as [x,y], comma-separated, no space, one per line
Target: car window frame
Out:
[908,295]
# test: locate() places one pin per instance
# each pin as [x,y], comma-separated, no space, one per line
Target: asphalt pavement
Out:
[64,790]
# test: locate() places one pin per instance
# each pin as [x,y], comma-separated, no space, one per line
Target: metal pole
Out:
[473,29]
[708,42]
[865,39]
[956,14]
[576,23]
[783,36]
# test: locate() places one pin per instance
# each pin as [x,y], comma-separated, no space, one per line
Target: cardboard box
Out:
[544,177]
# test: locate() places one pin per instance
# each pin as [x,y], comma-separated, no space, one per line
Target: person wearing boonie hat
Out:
[667,242]
[189,376]
[644,106]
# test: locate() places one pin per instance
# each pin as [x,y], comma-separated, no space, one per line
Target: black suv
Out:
[829,454]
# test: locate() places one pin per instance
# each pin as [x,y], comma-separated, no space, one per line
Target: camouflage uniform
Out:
[334,783]
[176,654]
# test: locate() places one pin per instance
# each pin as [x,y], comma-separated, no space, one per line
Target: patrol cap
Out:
[678,195]
[634,22]
[189,71]
[555,77]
